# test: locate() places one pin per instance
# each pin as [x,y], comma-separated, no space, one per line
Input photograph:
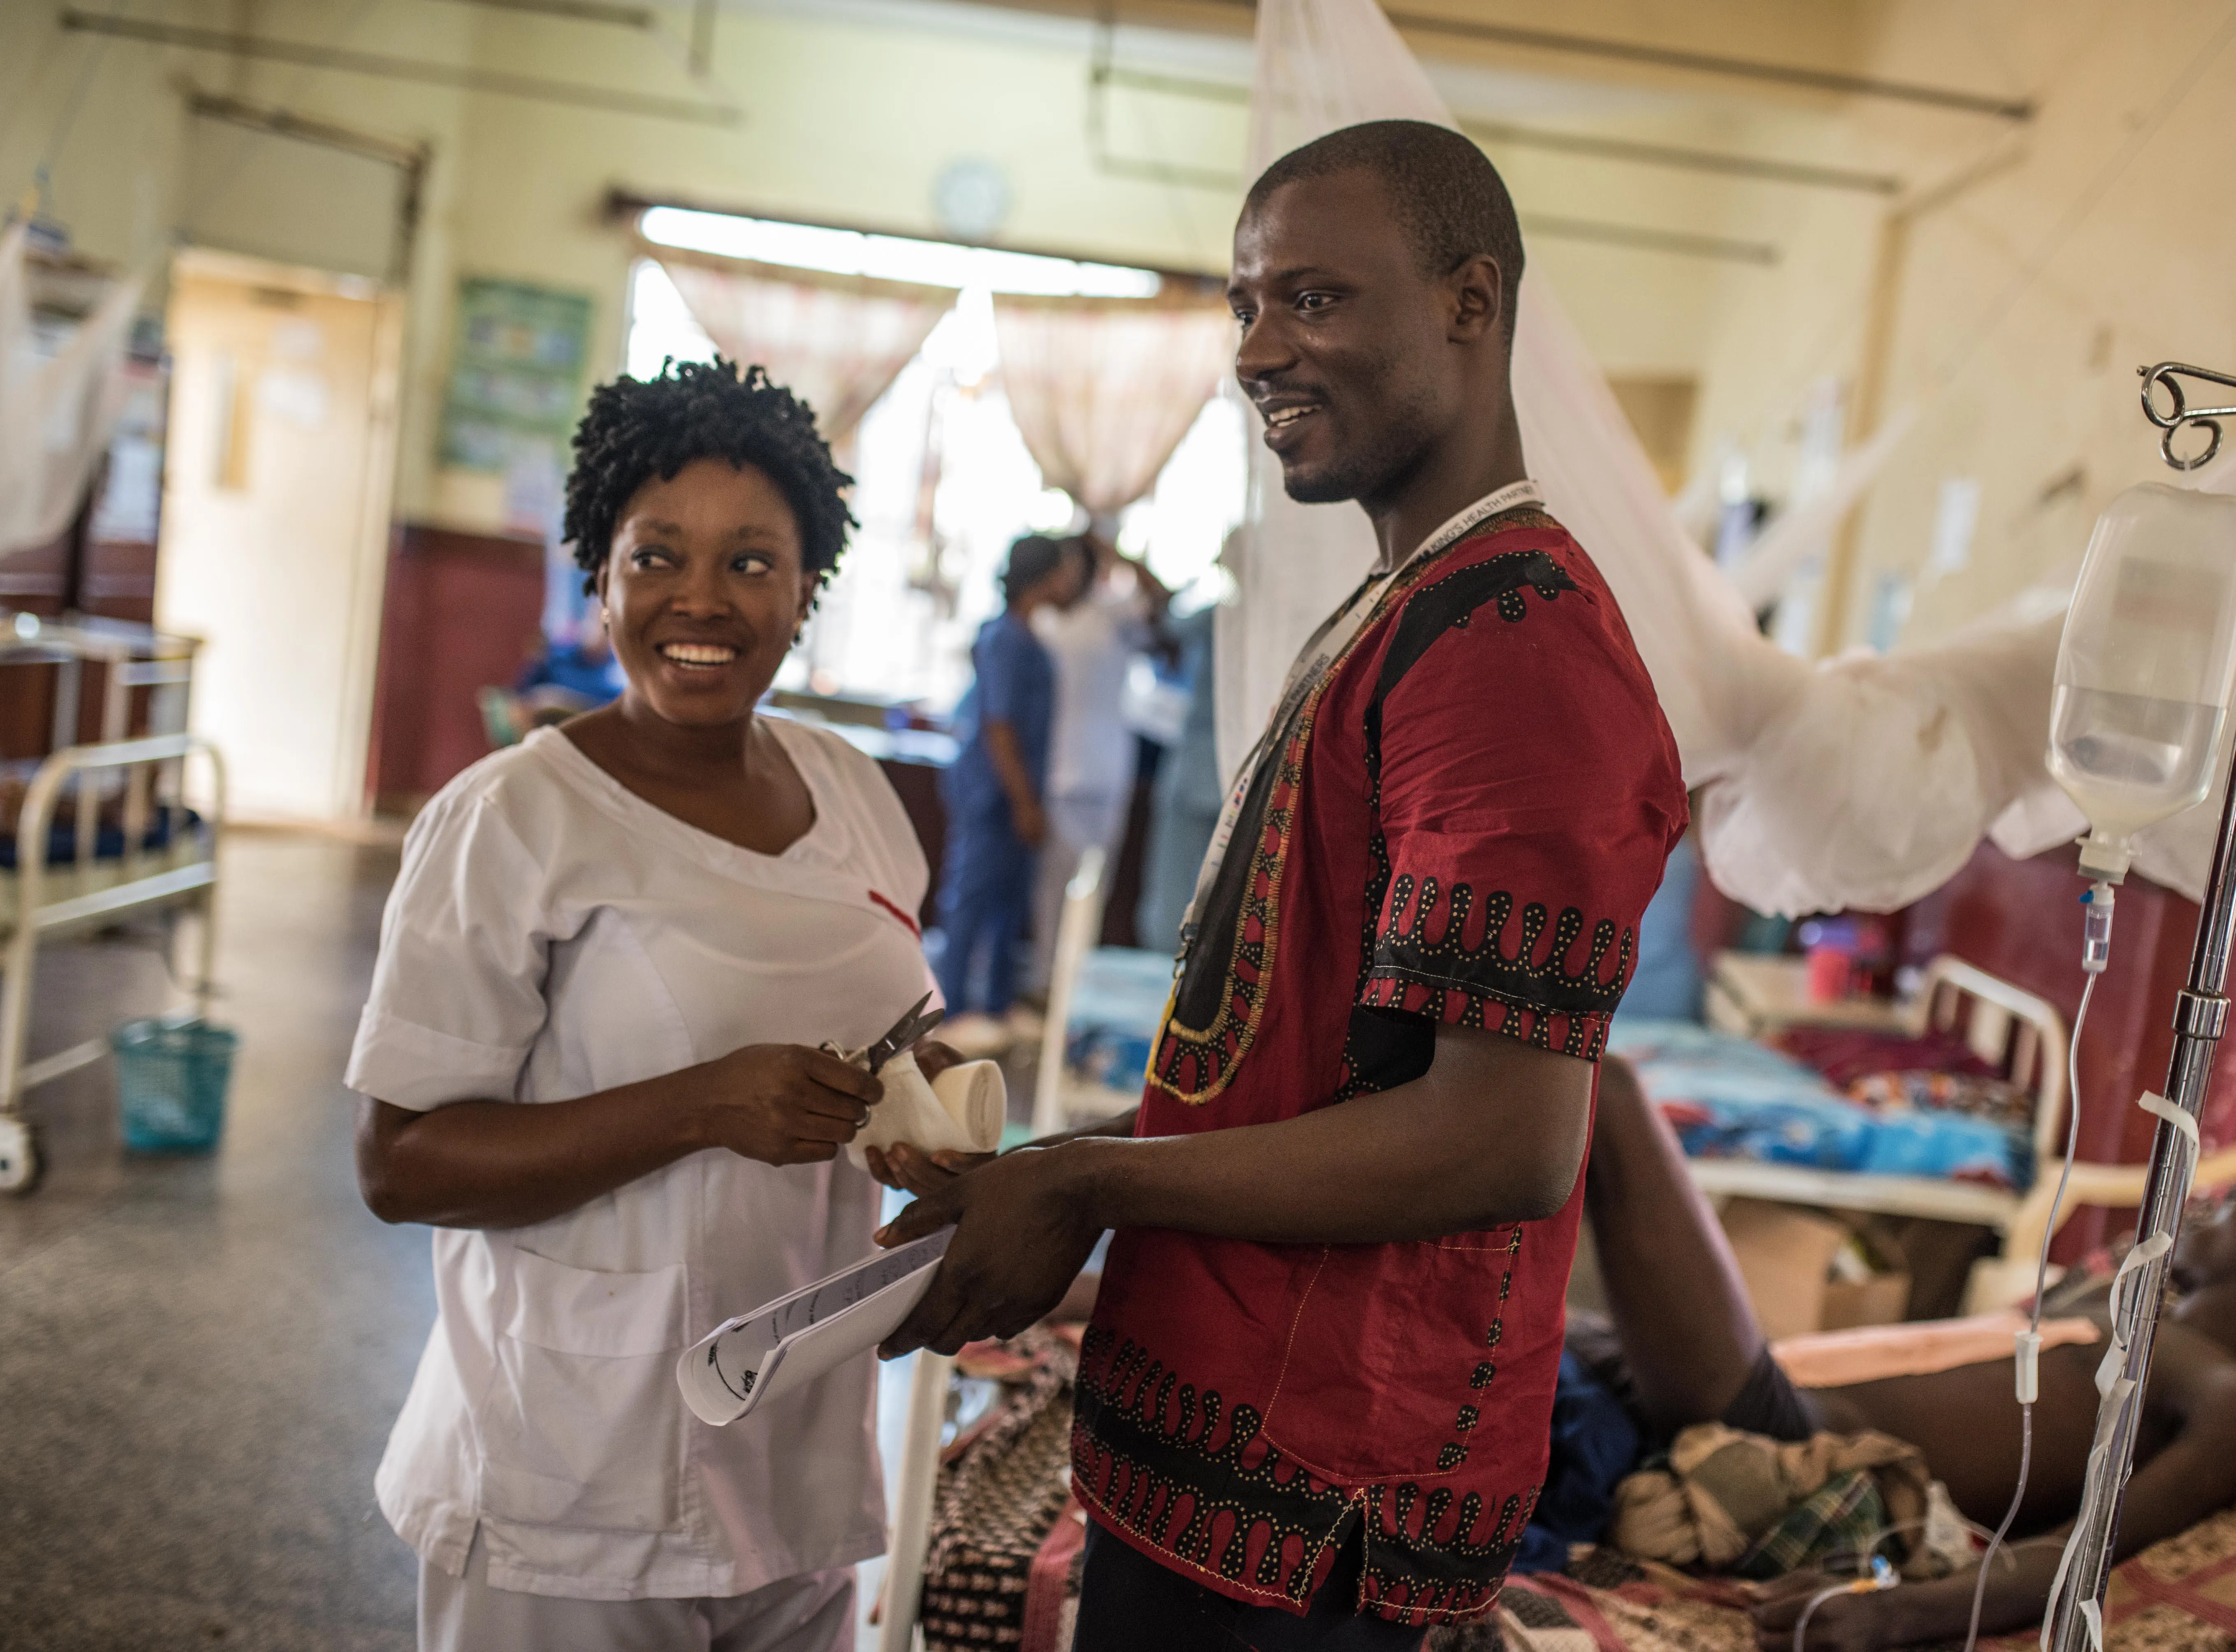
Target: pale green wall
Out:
[847,121]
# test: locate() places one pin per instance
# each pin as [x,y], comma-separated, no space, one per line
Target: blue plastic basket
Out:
[171,1077]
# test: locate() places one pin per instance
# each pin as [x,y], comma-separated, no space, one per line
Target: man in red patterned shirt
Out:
[1314,1402]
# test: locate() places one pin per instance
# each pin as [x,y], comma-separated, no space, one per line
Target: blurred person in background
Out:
[1093,639]
[564,679]
[1184,810]
[997,817]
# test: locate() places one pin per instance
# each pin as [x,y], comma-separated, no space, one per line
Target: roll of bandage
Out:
[976,1099]
[962,1111]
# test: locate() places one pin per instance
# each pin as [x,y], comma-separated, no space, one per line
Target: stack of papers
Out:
[783,1345]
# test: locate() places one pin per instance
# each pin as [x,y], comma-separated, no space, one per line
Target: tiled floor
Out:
[199,1360]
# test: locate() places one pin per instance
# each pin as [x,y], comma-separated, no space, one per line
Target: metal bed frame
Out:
[41,903]
[2024,1035]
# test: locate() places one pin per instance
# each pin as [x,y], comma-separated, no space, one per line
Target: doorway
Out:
[275,519]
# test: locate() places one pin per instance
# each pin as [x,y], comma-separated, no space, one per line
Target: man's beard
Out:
[1330,486]
[1369,469]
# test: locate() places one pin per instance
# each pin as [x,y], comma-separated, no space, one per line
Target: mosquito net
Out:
[58,407]
[1859,782]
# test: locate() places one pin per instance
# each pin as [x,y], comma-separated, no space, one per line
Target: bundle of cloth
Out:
[1759,1508]
[1008,1536]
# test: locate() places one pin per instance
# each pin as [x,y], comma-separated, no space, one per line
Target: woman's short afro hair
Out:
[640,428]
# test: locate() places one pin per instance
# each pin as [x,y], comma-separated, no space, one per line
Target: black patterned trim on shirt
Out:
[1401,967]
[1136,1472]
[1220,997]
[1487,985]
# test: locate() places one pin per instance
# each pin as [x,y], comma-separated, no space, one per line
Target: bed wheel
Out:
[20,1161]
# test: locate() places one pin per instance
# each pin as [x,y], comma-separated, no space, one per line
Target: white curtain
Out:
[1103,391]
[836,342]
[56,414]
[1861,782]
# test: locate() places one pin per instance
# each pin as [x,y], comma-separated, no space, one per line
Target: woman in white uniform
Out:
[643,924]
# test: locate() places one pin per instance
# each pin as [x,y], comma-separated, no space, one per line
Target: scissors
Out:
[912,1025]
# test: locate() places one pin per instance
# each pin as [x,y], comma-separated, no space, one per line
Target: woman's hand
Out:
[913,1170]
[933,1057]
[782,1103]
[906,1167]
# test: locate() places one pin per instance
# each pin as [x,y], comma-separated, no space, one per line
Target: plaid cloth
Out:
[1724,1498]
[1845,1514]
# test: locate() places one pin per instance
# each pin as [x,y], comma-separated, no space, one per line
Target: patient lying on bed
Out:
[1697,1355]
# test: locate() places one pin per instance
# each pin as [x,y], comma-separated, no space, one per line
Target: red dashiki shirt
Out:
[1462,821]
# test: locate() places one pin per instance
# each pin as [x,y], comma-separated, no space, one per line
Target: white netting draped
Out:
[56,413]
[1863,782]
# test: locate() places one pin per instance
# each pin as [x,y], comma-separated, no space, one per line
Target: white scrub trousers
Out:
[1076,824]
[811,1613]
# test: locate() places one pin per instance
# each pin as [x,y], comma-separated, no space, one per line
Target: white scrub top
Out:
[1093,642]
[552,934]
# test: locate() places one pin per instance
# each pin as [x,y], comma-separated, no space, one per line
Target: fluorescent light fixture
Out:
[892,257]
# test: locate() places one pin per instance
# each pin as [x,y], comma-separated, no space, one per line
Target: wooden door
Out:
[275,519]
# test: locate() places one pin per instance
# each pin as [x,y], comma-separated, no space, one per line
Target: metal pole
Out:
[568,94]
[2200,1014]
[1823,80]
[919,1482]
[702,38]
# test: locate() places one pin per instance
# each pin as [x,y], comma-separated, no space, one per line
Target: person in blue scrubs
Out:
[993,791]
[569,678]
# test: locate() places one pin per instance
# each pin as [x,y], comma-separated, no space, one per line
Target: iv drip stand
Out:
[2201,1013]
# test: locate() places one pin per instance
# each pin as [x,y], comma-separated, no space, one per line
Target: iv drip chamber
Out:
[2146,666]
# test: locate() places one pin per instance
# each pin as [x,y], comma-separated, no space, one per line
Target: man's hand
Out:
[782,1103]
[1022,1236]
[1029,820]
[1843,1622]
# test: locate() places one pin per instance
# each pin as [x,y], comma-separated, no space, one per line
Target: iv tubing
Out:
[1881,1575]
[1870,1584]
[2033,1344]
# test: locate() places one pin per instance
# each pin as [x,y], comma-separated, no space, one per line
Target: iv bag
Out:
[2145,670]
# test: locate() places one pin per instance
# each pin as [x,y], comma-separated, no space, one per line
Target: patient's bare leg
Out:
[1673,1287]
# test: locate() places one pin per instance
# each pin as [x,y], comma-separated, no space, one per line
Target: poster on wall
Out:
[516,390]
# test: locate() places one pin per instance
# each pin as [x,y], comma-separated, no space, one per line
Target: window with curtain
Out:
[945,479]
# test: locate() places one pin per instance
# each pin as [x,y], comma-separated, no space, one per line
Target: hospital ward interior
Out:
[927,826]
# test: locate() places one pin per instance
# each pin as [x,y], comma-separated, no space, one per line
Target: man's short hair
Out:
[1447,196]
[1032,559]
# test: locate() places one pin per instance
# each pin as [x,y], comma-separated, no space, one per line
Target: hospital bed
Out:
[129,844]
[2023,1037]
[2015,1032]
